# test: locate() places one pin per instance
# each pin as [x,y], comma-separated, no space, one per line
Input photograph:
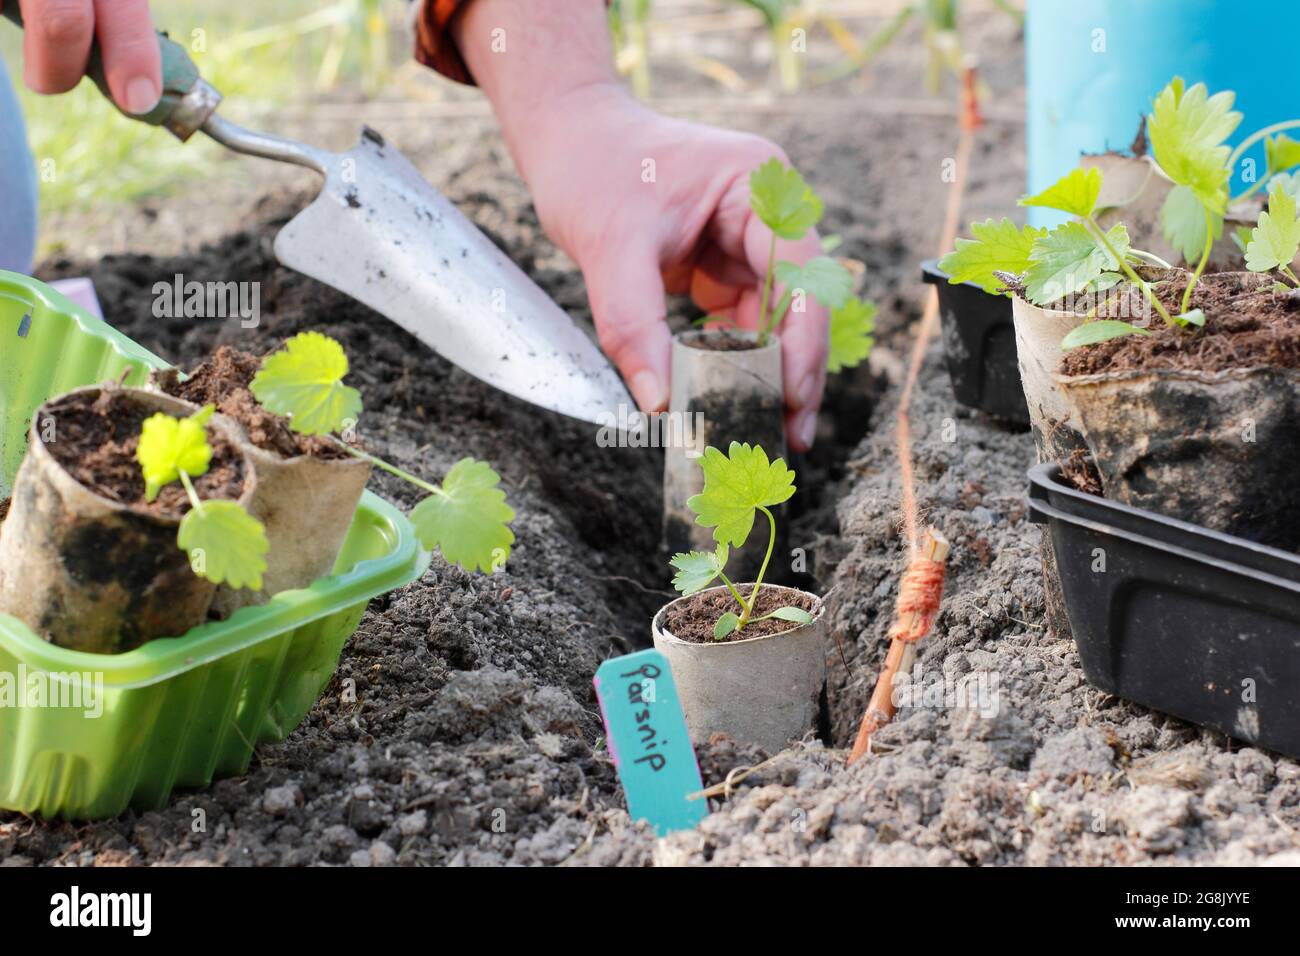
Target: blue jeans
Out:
[17,184]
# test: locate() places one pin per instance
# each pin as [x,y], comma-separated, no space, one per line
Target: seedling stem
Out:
[394,470]
[1250,141]
[1200,266]
[195,502]
[766,323]
[762,570]
[1128,270]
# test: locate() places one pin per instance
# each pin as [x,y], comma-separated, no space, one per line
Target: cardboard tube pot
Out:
[1054,423]
[306,504]
[89,573]
[1218,449]
[760,690]
[1038,354]
[719,395]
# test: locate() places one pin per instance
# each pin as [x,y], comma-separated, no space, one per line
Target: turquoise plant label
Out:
[649,741]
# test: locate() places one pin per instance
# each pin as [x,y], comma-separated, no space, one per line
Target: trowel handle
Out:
[187,99]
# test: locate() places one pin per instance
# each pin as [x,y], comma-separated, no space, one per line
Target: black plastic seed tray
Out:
[979,343]
[1174,616]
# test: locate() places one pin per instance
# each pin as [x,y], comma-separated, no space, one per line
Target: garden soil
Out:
[474,737]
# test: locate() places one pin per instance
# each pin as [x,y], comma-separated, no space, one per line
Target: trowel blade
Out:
[382,235]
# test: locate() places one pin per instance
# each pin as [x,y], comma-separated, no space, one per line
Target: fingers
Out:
[57,35]
[711,295]
[803,335]
[803,364]
[57,40]
[627,300]
[132,61]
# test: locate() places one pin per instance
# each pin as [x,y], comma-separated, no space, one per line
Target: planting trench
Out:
[474,735]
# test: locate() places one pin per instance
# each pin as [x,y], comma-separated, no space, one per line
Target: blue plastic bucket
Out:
[1094,66]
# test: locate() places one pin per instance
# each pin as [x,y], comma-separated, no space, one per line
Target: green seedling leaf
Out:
[170,445]
[782,200]
[735,486]
[725,625]
[696,570]
[1193,317]
[997,247]
[796,614]
[1241,237]
[821,277]
[1075,193]
[1091,333]
[1275,241]
[831,243]
[1281,152]
[1281,288]
[1069,259]
[469,521]
[850,337]
[1107,280]
[304,382]
[1187,129]
[1182,220]
[225,543]
[1289,182]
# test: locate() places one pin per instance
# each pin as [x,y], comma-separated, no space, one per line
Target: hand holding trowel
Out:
[382,235]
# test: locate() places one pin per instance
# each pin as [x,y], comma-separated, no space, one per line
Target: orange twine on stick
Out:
[921,589]
[918,600]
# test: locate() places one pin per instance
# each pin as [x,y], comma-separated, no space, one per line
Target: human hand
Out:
[57,37]
[645,203]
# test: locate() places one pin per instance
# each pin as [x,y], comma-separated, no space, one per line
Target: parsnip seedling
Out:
[466,517]
[1076,257]
[1188,130]
[788,206]
[737,486]
[225,544]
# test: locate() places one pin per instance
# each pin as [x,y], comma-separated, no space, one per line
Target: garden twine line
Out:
[921,589]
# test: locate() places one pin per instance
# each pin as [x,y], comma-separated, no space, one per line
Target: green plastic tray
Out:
[175,712]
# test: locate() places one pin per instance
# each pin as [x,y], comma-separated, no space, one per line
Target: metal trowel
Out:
[382,235]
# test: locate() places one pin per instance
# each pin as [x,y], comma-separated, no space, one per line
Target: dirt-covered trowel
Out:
[382,235]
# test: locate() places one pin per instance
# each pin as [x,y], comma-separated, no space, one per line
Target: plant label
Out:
[649,742]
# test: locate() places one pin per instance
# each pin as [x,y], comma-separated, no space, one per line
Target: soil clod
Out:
[224,381]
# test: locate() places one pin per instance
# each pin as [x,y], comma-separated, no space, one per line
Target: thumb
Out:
[626,291]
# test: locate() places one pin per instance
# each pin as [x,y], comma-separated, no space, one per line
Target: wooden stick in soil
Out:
[902,650]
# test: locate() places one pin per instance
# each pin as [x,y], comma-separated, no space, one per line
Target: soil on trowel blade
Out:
[96,437]
[223,381]
[693,619]
[1246,325]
